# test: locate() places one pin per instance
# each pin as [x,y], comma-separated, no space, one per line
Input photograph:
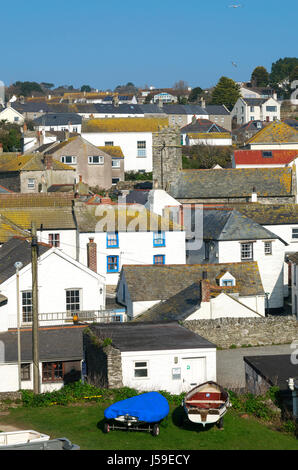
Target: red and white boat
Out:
[207,403]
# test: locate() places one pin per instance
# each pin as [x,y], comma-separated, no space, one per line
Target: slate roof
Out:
[223,225]
[293,257]
[258,157]
[292,122]
[132,336]
[9,230]
[58,119]
[187,109]
[16,250]
[160,282]
[177,308]
[55,344]
[270,214]
[137,196]
[203,126]
[19,200]
[275,369]
[216,110]
[254,101]
[113,150]
[110,218]
[48,218]
[232,183]
[276,132]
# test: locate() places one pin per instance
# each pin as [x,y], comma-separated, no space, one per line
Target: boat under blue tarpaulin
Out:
[150,407]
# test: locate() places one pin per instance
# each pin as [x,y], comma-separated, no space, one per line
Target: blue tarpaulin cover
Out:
[149,407]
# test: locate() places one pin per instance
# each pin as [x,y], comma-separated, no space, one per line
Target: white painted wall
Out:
[56,273]
[161,363]
[134,248]
[12,116]
[271,267]
[215,142]
[294,290]
[67,240]
[128,143]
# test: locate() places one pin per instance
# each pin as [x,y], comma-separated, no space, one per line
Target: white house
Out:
[11,115]
[275,136]
[126,234]
[65,287]
[71,122]
[196,291]
[133,135]
[60,358]
[230,237]
[254,109]
[145,357]
[206,132]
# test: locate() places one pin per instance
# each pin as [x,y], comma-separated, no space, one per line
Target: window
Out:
[112,240]
[252,118]
[294,232]
[115,163]
[141,146]
[25,372]
[54,239]
[207,250]
[112,264]
[141,369]
[267,154]
[268,248]
[69,159]
[115,180]
[117,318]
[109,144]
[252,108]
[27,306]
[159,259]
[227,282]
[271,109]
[16,119]
[246,251]
[31,183]
[96,160]
[159,239]
[73,300]
[52,371]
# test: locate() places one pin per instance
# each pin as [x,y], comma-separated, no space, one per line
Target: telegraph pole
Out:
[35,352]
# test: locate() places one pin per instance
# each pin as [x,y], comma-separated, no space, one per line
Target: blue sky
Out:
[105,44]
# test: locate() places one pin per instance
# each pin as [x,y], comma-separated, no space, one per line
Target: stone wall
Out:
[10,396]
[225,332]
[166,157]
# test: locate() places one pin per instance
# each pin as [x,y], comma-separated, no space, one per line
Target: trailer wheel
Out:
[106,428]
[155,430]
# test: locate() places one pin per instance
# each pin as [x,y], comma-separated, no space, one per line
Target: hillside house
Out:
[264,158]
[254,109]
[197,291]
[58,122]
[275,136]
[206,132]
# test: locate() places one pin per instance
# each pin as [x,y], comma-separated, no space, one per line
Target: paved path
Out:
[230,364]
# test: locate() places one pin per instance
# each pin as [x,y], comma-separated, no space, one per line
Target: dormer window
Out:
[227,280]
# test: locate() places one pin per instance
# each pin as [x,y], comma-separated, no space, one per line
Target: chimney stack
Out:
[205,290]
[92,255]
[48,161]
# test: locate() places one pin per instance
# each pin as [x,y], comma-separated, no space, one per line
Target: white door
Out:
[193,372]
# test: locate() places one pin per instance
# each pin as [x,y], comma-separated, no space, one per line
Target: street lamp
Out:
[18,265]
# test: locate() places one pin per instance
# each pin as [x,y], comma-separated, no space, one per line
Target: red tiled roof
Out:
[255,157]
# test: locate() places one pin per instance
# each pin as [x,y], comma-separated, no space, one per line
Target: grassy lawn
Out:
[83,425]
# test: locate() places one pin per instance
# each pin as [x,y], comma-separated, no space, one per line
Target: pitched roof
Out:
[125,125]
[214,110]
[160,282]
[276,132]
[16,250]
[270,214]
[264,157]
[222,224]
[46,217]
[132,336]
[177,308]
[121,218]
[34,162]
[19,200]
[254,101]
[203,126]
[9,230]
[187,109]
[293,257]
[55,344]
[232,183]
[58,119]
[114,151]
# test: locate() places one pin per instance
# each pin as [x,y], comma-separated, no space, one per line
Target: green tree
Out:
[195,94]
[10,137]
[294,74]
[282,69]
[226,92]
[86,88]
[260,77]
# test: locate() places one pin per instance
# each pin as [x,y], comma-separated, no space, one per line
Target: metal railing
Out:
[105,316]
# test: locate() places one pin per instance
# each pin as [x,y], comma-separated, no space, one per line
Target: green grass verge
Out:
[83,425]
